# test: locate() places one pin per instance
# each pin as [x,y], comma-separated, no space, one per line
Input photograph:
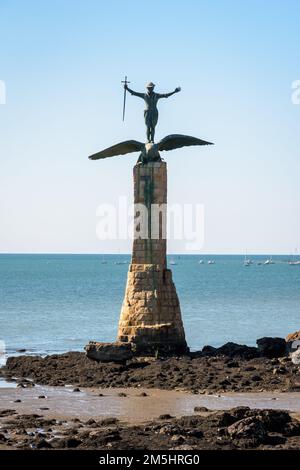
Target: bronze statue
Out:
[151,112]
[149,152]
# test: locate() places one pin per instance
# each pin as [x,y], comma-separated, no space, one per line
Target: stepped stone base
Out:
[150,316]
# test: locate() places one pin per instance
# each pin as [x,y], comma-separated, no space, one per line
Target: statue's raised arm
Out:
[166,95]
[134,93]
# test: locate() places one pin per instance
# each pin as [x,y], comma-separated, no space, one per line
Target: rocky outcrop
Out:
[199,374]
[252,429]
[231,350]
[109,352]
[255,427]
[271,347]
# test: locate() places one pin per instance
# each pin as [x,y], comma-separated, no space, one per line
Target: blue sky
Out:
[62,63]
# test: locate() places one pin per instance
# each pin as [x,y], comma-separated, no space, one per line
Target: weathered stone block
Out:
[293,341]
[109,352]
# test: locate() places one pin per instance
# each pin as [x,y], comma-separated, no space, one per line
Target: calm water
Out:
[54,303]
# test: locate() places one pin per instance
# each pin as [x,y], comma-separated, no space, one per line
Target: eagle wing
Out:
[175,141]
[119,149]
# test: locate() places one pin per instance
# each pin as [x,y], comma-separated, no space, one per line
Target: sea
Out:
[57,303]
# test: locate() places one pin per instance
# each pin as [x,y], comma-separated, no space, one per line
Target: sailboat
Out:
[293,261]
[269,261]
[120,261]
[247,261]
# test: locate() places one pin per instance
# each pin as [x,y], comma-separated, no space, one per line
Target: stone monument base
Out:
[150,316]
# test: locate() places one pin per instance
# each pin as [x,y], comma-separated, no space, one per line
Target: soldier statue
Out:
[149,151]
[151,112]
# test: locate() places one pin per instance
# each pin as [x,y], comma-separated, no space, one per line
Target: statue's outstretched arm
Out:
[135,93]
[166,95]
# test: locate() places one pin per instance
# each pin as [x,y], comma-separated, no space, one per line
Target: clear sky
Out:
[62,62]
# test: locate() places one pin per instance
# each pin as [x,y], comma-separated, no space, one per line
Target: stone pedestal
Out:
[150,316]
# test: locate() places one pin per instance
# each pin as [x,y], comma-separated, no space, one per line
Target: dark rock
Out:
[272,347]
[76,389]
[274,420]
[256,378]
[122,394]
[143,394]
[225,382]
[231,350]
[224,418]
[246,383]
[240,412]
[108,421]
[165,416]
[232,364]
[195,433]
[109,352]
[43,444]
[90,422]
[72,442]
[207,351]
[292,429]
[251,430]
[7,412]
[200,409]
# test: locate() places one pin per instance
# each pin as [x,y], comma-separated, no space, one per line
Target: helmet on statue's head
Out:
[150,85]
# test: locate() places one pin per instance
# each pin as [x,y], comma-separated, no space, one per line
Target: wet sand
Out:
[133,405]
[63,419]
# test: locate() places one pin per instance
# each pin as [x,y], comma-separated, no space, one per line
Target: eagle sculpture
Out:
[149,152]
